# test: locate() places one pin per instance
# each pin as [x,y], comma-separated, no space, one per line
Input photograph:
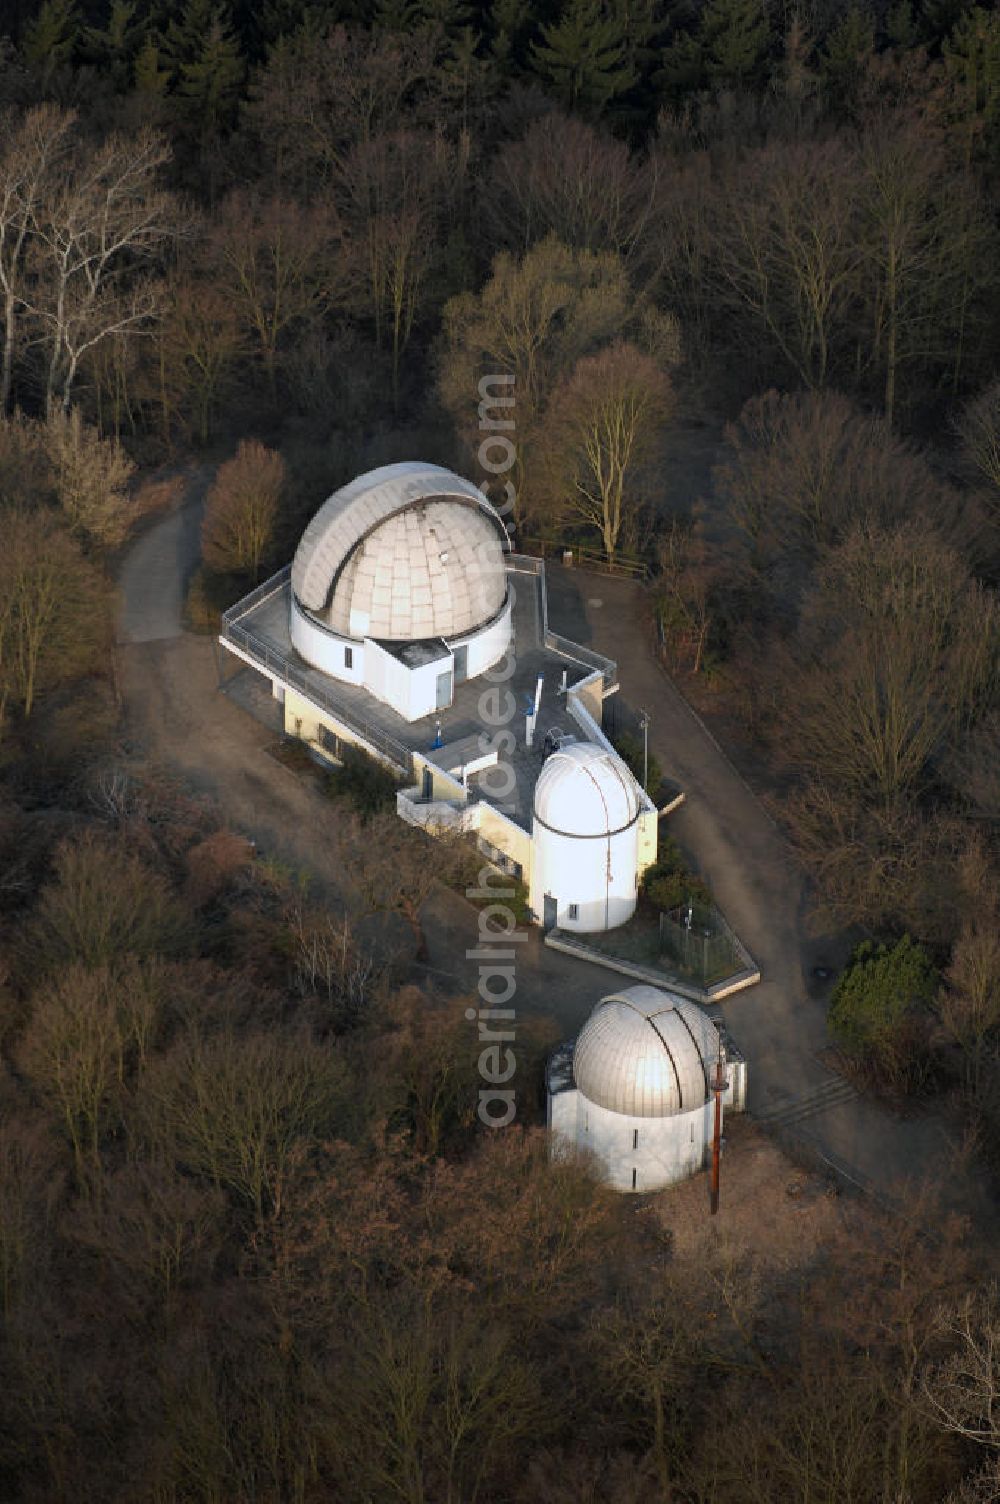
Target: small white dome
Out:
[646,1054]
[584,790]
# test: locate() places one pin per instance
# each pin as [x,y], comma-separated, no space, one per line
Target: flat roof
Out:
[416,654]
[477,702]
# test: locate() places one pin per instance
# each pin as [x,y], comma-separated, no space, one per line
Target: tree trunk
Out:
[6,375]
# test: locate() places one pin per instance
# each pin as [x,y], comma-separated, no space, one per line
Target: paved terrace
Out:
[258,628]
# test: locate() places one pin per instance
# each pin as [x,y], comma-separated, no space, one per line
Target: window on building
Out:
[348,657]
[635,1138]
[633,1177]
[574,911]
[500,858]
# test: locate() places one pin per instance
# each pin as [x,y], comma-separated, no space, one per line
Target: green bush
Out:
[629,749]
[668,882]
[366,783]
[880,1009]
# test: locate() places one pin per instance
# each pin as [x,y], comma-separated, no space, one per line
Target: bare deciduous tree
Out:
[892,640]
[241,508]
[53,608]
[91,476]
[199,339]
[29,159]
[787,251]
[602,427]
[534,319]
[394,188]
[979,432]
[571,180]
[234,1108]
[102,905]
[73,1051]
[282,264]
[106,213]
[964,1390]
[969,1002]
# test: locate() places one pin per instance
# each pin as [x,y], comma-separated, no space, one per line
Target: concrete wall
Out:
[661,1151]
[304,719]
[443,785]
[325,649]
[488,644]
[412,692]
[589,693]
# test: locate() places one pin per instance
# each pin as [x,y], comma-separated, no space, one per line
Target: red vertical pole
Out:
[716,1141]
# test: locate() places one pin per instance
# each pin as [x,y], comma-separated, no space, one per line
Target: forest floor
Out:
[178,719]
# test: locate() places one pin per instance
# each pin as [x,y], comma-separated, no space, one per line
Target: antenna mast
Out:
[719,1085]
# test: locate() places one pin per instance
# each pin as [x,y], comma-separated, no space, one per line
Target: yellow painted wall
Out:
[648,833]
[591,697]
[443,785]
[301,718]
[510,838]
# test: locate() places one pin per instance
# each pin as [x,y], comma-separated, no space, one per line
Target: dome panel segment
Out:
[436,570]
[646,1053]
[353,512]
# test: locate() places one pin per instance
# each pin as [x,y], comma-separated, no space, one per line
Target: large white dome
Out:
[405,552]
[584,790]
[646,1054]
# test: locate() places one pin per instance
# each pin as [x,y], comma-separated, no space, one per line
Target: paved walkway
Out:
[177,714]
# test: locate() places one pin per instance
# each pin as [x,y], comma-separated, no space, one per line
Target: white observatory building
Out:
[406,627]
[585,831]
[635,1090]
[399,584]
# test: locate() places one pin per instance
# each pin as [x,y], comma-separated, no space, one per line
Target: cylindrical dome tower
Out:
[643,1072]
[585,837]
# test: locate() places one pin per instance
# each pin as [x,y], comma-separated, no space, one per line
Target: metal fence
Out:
[698,942]
[627,566]
[281,667]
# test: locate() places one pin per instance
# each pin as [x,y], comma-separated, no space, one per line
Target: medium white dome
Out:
[584,790]
[404,552]
[646,1054]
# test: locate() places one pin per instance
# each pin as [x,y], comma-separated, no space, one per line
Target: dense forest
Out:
[254,1244]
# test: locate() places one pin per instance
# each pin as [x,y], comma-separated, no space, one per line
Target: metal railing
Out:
[270,661]
[555,641]
[260,593]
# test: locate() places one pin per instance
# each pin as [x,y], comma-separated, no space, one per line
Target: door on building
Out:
[428,784]
[443,691]
[551,913]
[461,656]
